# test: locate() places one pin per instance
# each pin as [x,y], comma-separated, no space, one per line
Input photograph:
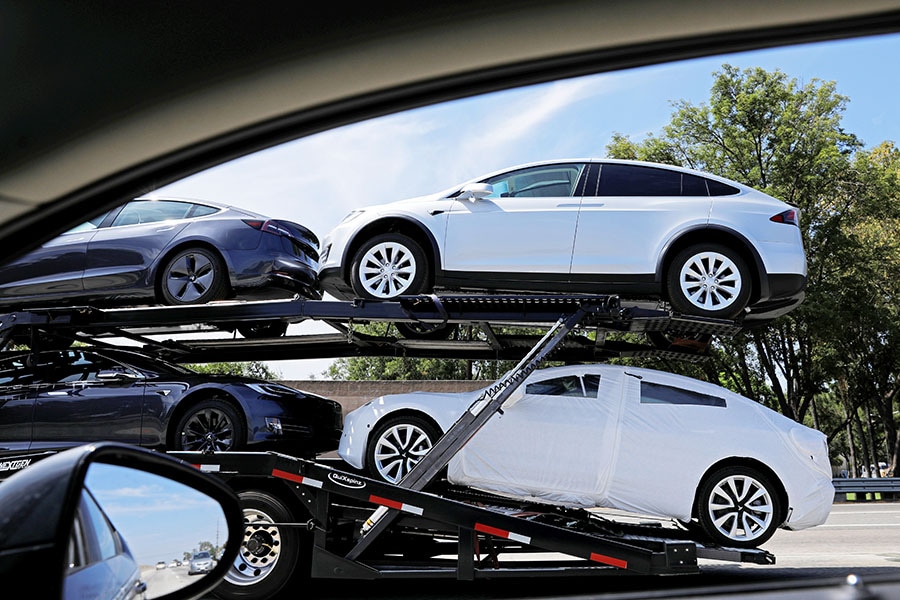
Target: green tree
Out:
[401,368]
[830,360]
[254,368]
[865,277]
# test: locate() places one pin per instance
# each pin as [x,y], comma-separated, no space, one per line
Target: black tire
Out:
[210,426]
[397,444]
[193,276]
[739,507]
[270,557]
[709,280]
[389,265]
[263,329]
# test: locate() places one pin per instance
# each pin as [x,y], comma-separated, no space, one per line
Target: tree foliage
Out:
[256,369]
[833,361]
[830,362]
[402,368]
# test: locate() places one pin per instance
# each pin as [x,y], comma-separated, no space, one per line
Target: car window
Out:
[639,180]
[537,182]
[654,393]
[591,385]
[89,225]
[99,539]
[16,371]
[570,385]
[155,211]
[72,365]
[146,364]
[717,188]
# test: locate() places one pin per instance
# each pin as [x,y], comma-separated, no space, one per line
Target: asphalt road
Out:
[861,540]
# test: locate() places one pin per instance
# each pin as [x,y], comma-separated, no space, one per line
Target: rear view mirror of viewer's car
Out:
[95,520]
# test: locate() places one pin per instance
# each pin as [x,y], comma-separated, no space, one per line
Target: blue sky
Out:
[315,181]
[160,519]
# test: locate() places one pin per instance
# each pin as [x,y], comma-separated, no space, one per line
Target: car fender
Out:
[712,232]
[443,408]
[389,222]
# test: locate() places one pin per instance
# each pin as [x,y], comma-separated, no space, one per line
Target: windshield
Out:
[684,277]
[802,124]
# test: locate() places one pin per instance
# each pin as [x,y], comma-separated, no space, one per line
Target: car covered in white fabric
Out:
[634,439]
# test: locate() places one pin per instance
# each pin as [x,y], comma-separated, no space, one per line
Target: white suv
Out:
[709,246]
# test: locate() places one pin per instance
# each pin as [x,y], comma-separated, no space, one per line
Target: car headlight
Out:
[272,389]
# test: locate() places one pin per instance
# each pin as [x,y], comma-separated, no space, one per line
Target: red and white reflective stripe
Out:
[502,533]
[416,510]
[609,560]
[316,483]
[209,468]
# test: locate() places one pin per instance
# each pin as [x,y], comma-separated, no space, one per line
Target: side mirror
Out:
[475,191]
[95,521]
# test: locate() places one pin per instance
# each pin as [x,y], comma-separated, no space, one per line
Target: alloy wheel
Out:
[710,281]
[741,508]
[387,270]
[399,449]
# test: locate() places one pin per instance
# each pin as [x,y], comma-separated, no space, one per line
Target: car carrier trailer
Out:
[315,517]
[665,334]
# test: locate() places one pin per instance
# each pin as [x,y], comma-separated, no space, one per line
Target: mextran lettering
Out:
[498,387]
[14,465]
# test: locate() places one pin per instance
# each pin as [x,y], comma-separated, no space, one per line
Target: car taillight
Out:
[789,216]
[267,226]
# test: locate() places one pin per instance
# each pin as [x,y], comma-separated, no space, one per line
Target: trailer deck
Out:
[322,520]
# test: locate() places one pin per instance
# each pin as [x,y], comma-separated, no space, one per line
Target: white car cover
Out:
[634,453]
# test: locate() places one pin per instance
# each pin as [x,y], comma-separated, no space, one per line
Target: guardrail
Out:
[866,488]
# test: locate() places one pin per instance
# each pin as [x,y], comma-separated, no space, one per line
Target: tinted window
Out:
[559,386]
[591,385]
[534,182]
[635,180]
[16,371]
[692,185]
[70,365]
[147,364]
[653,393]
[717,188]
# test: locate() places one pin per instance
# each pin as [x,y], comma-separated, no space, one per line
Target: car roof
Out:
[210,203]
[606,368]
[191,87]
[620,161]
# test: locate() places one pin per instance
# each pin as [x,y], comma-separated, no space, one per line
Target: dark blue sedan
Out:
[61,398]
[167,251]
